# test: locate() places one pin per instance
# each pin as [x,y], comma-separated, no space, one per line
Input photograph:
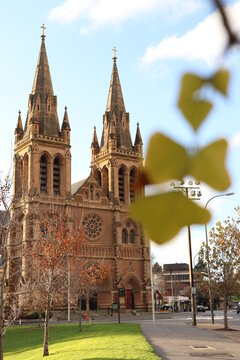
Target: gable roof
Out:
[76,186]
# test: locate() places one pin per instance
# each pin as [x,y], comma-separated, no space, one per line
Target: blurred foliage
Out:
[164,214]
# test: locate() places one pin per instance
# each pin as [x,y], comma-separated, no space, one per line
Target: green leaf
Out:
[194,109]
[162,216]
[220,81]
[165,160]
[208,165]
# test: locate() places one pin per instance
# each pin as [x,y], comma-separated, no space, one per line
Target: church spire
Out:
[115,100]
[42,105]
[115,116]
[42,81]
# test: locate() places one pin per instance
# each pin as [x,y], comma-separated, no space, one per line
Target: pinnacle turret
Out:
[65,123]
[138,143]
[138,138]
[19,128]
[95,144]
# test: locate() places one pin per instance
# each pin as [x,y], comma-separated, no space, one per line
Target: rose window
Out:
[92,226]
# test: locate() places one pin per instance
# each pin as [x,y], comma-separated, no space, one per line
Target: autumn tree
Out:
[224,259]
[86,276]
[55,245]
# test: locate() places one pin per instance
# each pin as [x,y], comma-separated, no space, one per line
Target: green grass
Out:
[98,341]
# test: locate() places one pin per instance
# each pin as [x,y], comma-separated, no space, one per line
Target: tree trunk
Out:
[46,329]
[1,315]
[225,313]
[1,332]
[80,313]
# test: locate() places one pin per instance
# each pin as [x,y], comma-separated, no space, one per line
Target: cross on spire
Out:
[43,27]
[114,52]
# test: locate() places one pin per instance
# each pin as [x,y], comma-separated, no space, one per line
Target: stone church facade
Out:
[42,173]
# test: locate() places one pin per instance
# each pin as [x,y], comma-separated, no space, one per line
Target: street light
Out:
[208,267]
[192,192]
[152,284]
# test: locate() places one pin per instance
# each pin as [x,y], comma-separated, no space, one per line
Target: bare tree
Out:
[56,243]
[223,256]
[86,276]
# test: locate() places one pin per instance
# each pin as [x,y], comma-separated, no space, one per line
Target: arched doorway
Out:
[132,293]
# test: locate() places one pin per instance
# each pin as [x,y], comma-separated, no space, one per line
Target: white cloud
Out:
[205,42]
[234,142]
[114,12]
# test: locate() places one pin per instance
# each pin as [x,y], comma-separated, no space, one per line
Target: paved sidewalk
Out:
[174,340]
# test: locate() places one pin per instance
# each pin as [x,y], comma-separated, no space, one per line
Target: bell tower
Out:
[42,159]
[116,161]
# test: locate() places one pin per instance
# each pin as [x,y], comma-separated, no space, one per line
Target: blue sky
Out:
[157,41]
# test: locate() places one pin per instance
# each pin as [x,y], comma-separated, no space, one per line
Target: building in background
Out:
[172,286]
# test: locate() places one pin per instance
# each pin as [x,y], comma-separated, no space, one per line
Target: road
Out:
[177,339]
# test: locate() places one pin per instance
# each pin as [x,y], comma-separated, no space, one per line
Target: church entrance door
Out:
[129,299]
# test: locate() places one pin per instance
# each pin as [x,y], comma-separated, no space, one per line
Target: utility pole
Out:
[192,191]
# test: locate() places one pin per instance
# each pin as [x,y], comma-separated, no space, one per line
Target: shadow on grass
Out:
[23,338]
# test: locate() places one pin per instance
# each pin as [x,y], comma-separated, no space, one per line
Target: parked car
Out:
[166,306]
[200,308]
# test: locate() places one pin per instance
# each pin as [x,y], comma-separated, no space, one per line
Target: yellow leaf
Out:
[220,81]
[208,165]
[165,160]
[162,216]
[194,109]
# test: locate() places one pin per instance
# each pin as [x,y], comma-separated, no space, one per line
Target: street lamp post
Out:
[152,285]
[192,191]
[207,251]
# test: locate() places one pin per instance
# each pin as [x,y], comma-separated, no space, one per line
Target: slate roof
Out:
[76,186]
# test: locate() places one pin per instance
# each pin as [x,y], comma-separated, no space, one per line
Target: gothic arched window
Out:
[121,189]
[131,237]
[105,185]
[56,176]
[43,174]
[124,236]
[25,174]
[98,177]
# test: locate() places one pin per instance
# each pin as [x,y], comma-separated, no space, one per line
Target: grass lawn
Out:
[97,341]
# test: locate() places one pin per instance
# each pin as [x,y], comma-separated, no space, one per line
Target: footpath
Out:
[173,340]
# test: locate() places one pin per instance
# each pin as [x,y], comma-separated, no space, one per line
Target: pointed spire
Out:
[115,97]
[19,127]
[42,101]
[42,81]
[65,123]
[116,118]
[138,138]
[95,144]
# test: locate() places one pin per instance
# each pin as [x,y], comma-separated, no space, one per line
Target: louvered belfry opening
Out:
[132,180]
[56,176]
[43,174]
[131,237]
[124,236]
[121,185]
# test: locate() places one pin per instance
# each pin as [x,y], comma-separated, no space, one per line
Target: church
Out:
[42,171]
